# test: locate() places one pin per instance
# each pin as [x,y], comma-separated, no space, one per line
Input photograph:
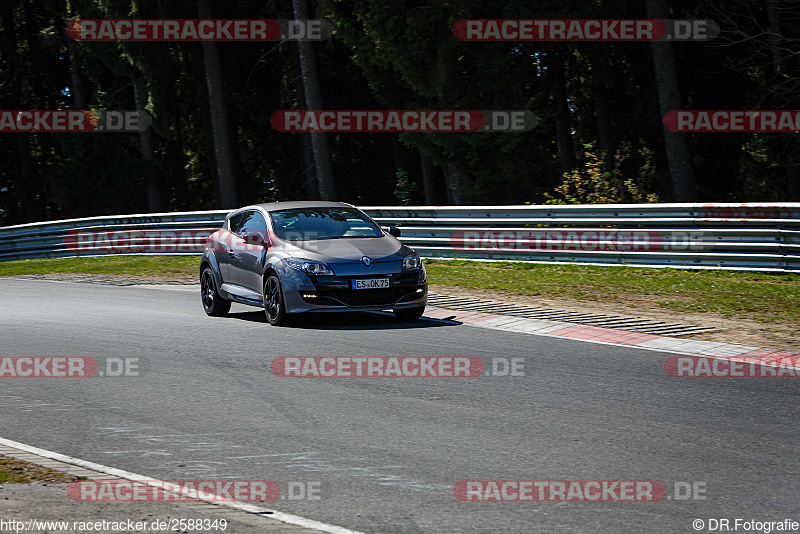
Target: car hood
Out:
[378,249]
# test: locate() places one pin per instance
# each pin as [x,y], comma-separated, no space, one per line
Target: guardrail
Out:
[762,237]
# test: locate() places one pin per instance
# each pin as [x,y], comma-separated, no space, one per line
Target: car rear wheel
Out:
[409,314]
[213,303]
[274,306]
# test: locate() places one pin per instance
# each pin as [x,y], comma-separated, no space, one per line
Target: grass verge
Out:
[747,295]
[758,296]
[13,471]
[179,267]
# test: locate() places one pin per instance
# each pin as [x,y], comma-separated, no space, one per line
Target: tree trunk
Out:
[428,186]
[787,156]
[566,152]
[313,96]
[605,130]
[146,142]
[793,176]
[76,90]
[25,209]
[457,182]
[309,177]
[24,177]
[176,164]
[676,144]
[775,37]
[398,158]
[210,170]
[226,177]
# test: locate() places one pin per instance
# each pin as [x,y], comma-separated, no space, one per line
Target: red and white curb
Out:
[92,471]
[613,336]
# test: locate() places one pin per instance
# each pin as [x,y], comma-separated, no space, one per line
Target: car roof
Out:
[274,206]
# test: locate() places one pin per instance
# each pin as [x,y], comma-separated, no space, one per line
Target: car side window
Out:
[254,223]
[235,222]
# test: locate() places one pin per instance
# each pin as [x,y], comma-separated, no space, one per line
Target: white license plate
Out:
[372,283]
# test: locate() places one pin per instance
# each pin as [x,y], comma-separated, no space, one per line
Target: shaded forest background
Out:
[600,136]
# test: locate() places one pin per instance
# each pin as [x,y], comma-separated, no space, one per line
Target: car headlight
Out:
[311,267]
[412,262]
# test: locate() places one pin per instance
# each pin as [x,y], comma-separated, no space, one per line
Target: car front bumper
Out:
[307,293]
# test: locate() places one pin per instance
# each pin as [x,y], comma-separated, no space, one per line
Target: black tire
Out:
[213,303]
[409,314]
[274,305]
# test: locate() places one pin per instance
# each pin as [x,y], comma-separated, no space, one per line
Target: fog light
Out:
[309,296]
[420,290]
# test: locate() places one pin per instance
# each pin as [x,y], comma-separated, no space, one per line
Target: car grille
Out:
[365,297]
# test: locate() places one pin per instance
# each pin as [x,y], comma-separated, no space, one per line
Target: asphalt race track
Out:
[387,452]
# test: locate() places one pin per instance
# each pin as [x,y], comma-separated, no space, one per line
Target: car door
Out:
[247,261]
[223,249]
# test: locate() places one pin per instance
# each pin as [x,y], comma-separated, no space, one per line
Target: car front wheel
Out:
[274,305]
[409,314]
[213,303]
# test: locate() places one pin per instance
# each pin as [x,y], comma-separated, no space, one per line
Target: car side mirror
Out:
[255,238]
[395,231]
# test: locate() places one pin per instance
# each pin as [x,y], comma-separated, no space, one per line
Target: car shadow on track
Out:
[348,321]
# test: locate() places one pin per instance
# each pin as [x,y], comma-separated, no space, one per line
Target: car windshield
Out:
[303,224]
